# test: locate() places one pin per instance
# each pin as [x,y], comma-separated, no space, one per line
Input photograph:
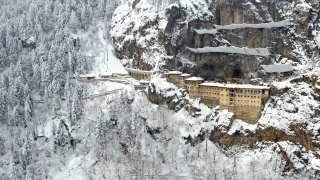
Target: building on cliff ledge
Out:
[176,77]
[244,100]
[140,75]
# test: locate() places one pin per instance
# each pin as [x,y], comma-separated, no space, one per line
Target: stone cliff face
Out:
[290,118]
[172,40]
[269,135]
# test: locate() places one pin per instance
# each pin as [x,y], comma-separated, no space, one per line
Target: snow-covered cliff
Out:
[289,30]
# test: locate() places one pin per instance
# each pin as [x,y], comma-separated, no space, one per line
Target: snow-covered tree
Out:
[76,109]
[29,175]
[62,137]
[45,73]
[2,147]
[3,57]
[28,109]
[13,171]
[114,114]
[4,81]
[87,142]
[16,92]
[3,105]
[25,154]
[74,23]
[102,136]
[16,116]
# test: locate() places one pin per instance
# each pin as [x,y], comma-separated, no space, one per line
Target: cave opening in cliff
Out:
[237,73]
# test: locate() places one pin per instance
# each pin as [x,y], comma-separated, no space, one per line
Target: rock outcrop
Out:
[178,33]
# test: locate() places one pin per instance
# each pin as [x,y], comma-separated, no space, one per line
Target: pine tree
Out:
[4,81]
[124,96]
[82,65]
[25,152]
[3,57]
[26,90]
[13,171]
[114,114]
[84,18]
[101,136]
[58,69]
[48,16]
[62,138]
[135,124]
[55,87]
[2,147]
[29,175]
[16,117]
[3,105]
[45,73]
[16,92]
[135,129]
[87,142]
[56,103]
[18,71]
[28,109]
[76,110]
[74,22]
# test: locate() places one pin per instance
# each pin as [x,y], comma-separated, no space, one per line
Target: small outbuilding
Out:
[266,71]
[276,68]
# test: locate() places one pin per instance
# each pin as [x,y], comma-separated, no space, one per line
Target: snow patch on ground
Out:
[242,127]
[163,87]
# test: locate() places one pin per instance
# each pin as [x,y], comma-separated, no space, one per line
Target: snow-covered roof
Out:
[206,31]
[194,79]
[168,57]
[261,25]
[87,75]
[106,74]
[239,26]
[277,68]
[185,75]
[174,72]
[232,49]
[236,86]
[144,81]
[137,70]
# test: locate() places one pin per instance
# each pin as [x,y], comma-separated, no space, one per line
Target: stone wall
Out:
[210,102]
[174,78]
[247,114]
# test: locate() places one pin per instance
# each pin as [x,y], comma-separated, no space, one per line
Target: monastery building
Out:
[244,100]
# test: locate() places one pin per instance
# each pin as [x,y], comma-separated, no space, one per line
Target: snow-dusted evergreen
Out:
[50,129]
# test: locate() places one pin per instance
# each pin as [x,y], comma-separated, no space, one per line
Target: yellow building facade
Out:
[244,100]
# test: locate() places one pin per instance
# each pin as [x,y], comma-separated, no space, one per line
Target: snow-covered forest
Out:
[50,130]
